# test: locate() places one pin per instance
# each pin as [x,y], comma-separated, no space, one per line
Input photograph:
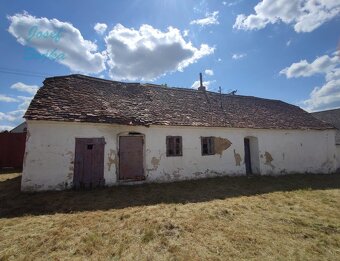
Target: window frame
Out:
[210,146]
[174,154]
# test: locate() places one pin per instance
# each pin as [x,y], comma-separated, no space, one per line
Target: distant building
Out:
[22,127]
[332,117]
[12,147]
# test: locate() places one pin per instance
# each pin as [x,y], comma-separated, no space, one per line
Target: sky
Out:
[275,49]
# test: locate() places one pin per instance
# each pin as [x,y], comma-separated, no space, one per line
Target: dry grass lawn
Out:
[261,218]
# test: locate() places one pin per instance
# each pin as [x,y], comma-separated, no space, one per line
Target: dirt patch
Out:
[112,159]
[155,162]
[237,158]
[268,159]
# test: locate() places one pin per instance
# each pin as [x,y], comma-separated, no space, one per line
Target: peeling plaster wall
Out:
[49,156]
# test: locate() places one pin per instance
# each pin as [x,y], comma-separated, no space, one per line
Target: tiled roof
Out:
[332,117]
[87,99]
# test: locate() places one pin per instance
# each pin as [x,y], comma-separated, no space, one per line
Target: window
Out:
[207,146]
[173,146]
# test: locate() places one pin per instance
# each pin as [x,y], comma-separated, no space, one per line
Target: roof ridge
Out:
[175,88]
[337,109]
[125,103]
[82,76]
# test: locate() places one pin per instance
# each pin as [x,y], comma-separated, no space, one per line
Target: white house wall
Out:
[49,156]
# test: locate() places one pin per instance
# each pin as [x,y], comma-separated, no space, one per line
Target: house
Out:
[87,132]
[21,128]
[331,117]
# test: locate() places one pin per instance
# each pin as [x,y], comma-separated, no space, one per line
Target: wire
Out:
[23,72]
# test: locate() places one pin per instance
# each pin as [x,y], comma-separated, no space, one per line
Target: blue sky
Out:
[285,50]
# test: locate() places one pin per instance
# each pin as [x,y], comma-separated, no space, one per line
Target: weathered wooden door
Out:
[131,158]
[247,158]
[89,163]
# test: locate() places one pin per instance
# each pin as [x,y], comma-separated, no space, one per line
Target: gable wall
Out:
[49,156]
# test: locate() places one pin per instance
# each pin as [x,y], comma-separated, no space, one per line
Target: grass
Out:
[294,217]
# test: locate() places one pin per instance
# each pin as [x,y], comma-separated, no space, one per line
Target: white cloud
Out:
[326,96]
[148,53]
[5,98]
[207,84]
[238,56]
[15,117]
[12,117]
[232,3]
[100,28]
[6,127]
[219,60]
[145,53]
[25,102]
[304,15]
[7,117]
[210,18]
[288,42]
[323,64]
[70,48]
[17,113]
[209,72]
[333,74]
[31,89]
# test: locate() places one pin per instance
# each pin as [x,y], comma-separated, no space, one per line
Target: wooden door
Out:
[247,158]
[131,158]
[89,163]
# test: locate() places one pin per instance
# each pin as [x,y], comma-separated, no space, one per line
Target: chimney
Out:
[201,88]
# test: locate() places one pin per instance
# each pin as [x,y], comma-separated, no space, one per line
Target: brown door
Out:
[131,158]
[89,163]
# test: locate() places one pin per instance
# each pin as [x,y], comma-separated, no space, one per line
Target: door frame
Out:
[254,155]
[247,156]
[130,134]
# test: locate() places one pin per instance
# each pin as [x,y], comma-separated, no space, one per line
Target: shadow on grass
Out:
[9,170]
[13,203]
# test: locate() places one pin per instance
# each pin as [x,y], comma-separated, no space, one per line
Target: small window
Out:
[173,146]
[207,146]
[89,146]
